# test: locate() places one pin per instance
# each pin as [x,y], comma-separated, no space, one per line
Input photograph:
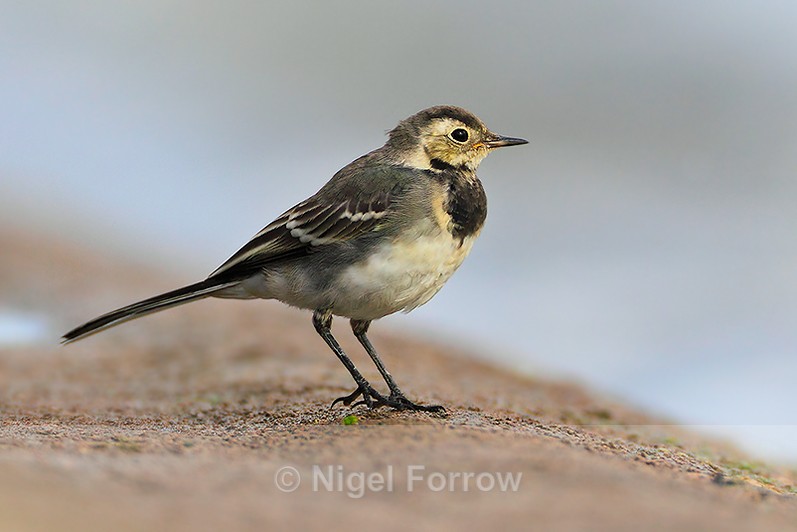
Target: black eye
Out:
[459,134]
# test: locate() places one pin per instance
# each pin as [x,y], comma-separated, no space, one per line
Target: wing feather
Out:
[308,225]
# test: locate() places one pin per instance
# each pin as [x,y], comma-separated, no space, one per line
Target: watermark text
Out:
[410,478]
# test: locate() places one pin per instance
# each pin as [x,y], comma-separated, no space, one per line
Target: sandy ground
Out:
[187,421]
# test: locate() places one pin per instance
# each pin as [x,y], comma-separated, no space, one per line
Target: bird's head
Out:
[443,137]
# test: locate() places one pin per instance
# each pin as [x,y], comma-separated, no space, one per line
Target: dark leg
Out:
[322,320]
[397,398]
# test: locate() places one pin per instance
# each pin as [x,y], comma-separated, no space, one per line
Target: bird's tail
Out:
[171,299]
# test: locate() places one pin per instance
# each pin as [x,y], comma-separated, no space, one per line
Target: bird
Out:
[382,235]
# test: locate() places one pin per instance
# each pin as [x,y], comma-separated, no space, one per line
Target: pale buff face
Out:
[443,139]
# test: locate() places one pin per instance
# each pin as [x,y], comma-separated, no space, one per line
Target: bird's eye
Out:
[460,135]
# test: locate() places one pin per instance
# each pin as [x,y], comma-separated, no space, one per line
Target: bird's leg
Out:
[322,320]
[397,398]
[360,328]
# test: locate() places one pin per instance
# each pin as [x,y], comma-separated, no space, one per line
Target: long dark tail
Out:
[171,299]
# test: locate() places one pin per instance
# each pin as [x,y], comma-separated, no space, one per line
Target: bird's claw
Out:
[399,402]
[373,399]
[348,399]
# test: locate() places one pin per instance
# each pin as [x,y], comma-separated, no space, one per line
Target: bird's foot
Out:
[398,401]
[373,399]
[370,397]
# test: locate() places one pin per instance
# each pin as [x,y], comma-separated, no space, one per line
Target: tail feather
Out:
[157,303]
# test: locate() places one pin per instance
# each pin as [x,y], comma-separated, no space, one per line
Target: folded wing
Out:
[308,225]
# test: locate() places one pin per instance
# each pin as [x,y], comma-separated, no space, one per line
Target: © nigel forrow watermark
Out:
[355,484]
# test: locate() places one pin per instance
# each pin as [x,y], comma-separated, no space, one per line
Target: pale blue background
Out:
[644,242]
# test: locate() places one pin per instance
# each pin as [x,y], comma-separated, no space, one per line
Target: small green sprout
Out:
[351,420]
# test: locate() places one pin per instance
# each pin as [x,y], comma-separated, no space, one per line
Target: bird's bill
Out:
[498,141]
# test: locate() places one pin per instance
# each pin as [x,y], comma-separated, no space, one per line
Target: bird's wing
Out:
[312,223]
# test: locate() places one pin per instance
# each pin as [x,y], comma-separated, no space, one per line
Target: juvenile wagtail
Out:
[383,235]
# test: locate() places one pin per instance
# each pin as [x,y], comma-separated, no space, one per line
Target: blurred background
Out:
[642,243]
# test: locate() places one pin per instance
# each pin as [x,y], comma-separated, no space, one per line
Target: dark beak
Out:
[497,141]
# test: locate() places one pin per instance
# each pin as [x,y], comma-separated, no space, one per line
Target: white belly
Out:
[401,275]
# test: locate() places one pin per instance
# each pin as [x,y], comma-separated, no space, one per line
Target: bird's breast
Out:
[461,206]
[401,274]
